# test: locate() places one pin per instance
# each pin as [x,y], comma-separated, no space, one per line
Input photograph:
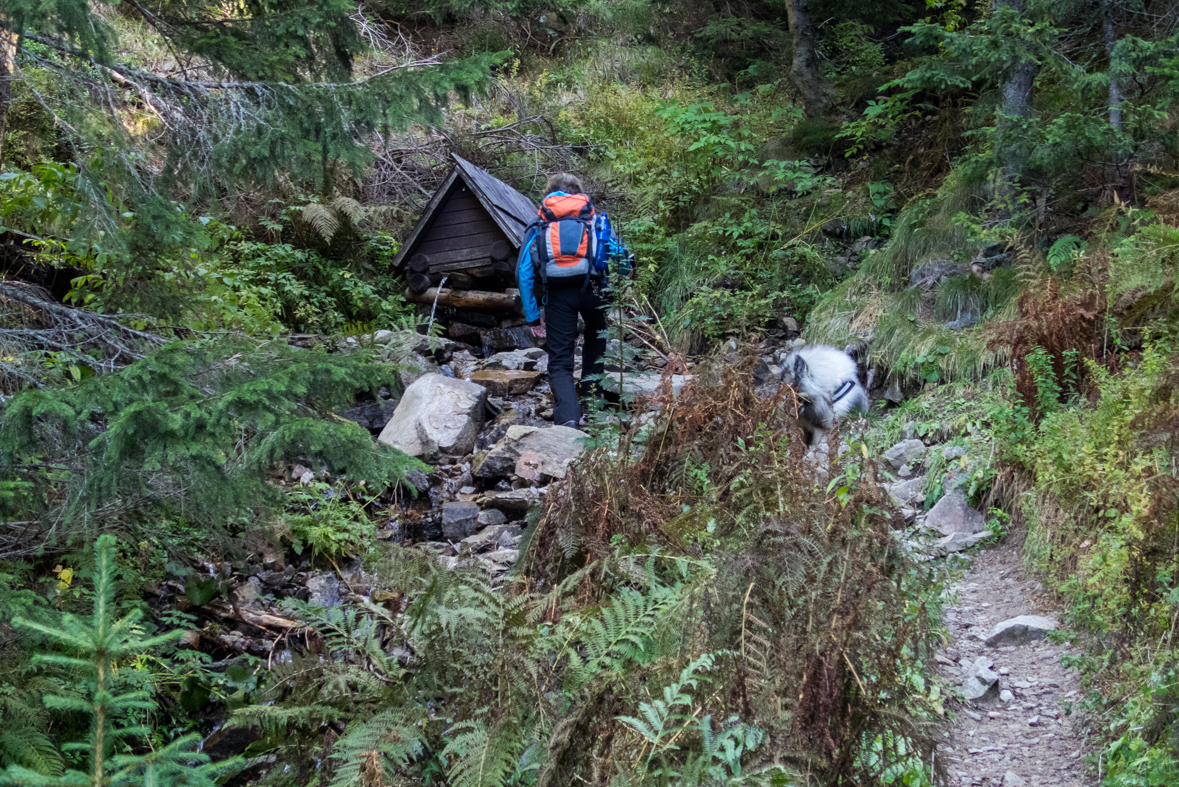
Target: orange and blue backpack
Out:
[565,237]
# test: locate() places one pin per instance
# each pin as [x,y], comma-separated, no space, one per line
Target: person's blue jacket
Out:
[526,275]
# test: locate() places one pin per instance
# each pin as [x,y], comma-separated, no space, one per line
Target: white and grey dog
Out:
[828,385]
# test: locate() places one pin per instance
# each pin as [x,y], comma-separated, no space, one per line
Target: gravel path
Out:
[1025,737]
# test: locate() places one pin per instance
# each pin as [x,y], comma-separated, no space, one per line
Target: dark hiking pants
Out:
[560,316]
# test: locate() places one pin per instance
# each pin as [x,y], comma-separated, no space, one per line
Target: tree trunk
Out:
[7,70]
[1110,34]
[1017,105]
[804,69]
[1120,181]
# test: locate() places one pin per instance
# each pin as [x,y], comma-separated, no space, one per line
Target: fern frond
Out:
[350,209]
[370,753]
[322,219]
[623,634]
[484,758]
[1065,249]
[29,747]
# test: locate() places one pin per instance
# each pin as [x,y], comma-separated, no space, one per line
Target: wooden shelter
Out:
[468,234]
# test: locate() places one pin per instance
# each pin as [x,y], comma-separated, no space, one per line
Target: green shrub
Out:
[817,136]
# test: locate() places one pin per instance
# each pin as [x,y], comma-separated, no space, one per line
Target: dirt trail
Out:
[1027,732]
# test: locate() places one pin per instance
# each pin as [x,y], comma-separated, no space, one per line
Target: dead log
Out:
[418,282]
[500,251]
[419,263]
[467,299]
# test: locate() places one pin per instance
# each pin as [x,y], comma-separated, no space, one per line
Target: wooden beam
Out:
[468,299]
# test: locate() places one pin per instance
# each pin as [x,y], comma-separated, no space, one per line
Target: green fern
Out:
[371,752]
[483,758]
[624,634]
[1064,250]
[328,219]
[23,738]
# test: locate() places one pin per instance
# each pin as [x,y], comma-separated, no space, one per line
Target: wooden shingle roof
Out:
[511,210]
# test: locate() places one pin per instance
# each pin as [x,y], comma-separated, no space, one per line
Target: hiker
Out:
[567,248]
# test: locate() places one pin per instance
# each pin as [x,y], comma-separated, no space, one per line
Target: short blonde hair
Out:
[564,181]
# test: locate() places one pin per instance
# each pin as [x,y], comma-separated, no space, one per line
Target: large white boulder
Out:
[438,416]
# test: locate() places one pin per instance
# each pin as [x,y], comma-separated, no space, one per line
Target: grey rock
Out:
[981,681]
[532,359]
[491,538]
[504,557]
[1020,630]
[1012,779]
[515,501]
[418,480]
[762,373]
[414,368]
[373,415]
[643,383]
[1006,696]
[383,337]
[953,514]
[438,416]
[964,321]
[1034,721]
[790,324]
[893,392]
[459,520]
[551,448]
[249,593]
[492,517]
[835,228]
[906,452]
[975,689]
[909,431]
[323,590]
[934,272]
[952,452]
[438,347]
[863,244]
[956,542]
[907,493]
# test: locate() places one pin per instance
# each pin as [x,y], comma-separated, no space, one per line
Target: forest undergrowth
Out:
[199,206]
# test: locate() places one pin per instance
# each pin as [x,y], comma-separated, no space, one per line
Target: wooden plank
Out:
[448,217]
[471,268]
[484,224]
[458,255]
[482,242]
[459,201]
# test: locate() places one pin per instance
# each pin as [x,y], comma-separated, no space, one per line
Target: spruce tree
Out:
[93,648]
[260,91]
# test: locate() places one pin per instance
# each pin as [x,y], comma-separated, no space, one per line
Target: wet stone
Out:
[459,520]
